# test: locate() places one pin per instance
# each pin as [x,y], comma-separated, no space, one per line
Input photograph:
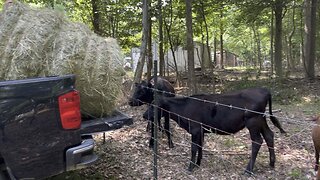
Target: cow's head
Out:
[143,93]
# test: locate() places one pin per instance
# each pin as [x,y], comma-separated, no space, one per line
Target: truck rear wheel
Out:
[4,175]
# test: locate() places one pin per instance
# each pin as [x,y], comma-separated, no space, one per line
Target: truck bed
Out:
[114,121]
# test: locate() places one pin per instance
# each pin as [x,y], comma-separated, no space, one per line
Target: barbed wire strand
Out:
[206,150]
[240,138]
[192,142]
[216,129]
[230,106]
[186,140]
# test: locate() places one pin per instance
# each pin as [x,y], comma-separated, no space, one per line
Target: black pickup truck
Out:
[42,132]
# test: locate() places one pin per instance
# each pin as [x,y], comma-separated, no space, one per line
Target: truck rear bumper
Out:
[80,156]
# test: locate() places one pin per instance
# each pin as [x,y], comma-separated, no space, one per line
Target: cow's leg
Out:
[196,140]
[148,126]
[152,120]
[317,160]
[200,150]
[160,126]
[167,130]
[254,127]
[151,142]
[269,138]
[148,116]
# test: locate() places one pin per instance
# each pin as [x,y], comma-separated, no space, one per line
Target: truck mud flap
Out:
[97,125]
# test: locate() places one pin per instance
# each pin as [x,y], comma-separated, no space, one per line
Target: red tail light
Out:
[69,106]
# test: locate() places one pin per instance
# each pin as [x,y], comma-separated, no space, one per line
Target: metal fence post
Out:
[155,121]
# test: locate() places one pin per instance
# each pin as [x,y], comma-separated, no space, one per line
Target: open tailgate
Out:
[97,125]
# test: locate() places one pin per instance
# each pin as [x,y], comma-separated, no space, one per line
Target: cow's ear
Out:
[151,83]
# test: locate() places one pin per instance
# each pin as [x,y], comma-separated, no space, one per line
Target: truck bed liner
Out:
[115,121]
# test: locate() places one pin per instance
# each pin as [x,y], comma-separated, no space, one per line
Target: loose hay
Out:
[40,42]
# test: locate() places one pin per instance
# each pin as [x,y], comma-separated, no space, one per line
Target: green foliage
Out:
[122,19]
[297,174]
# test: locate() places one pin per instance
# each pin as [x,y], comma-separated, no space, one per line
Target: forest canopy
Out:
[255,31]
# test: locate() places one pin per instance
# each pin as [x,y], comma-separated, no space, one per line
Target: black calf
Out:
[144,93]
[199,117]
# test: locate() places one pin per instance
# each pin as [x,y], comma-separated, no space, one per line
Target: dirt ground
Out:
[125,154]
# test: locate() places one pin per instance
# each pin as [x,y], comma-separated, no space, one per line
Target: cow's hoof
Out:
[190,168]
[188,172]
[151,144]
[248,173]
[271,165]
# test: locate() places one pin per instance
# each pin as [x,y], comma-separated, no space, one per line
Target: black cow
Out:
[144,94]
[144,91]
[199,114]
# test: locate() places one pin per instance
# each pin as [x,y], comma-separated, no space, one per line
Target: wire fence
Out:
[224,159]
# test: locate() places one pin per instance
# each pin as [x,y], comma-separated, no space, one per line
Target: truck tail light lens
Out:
[69,107]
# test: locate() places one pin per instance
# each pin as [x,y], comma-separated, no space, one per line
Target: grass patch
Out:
[297,174]
[284,92]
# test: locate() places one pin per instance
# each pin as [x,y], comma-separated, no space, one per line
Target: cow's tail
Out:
[274,120]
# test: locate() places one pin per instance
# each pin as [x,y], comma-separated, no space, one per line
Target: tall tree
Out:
[161,54]
[310,31]
[190,48]
[291,64]
[278,11]
[168,27]
[149,62]
[205,46]
[145,25]
[271,41]
[95,16]
[221,39]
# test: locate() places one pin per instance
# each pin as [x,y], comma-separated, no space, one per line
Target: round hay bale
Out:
[29,42]
[68,49]
[102,72]
[41,42]
[8,19]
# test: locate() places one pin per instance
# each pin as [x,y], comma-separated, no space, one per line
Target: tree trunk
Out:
[256,35]
[190,48]
[221,41]
[149,62]
[207,37]
[161,54]
[95,17]
[145,29]
[215,51]
[202,59]
[291,63]
[271,41]
[302,36]
[310,31]
[278,38]
[168,29]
